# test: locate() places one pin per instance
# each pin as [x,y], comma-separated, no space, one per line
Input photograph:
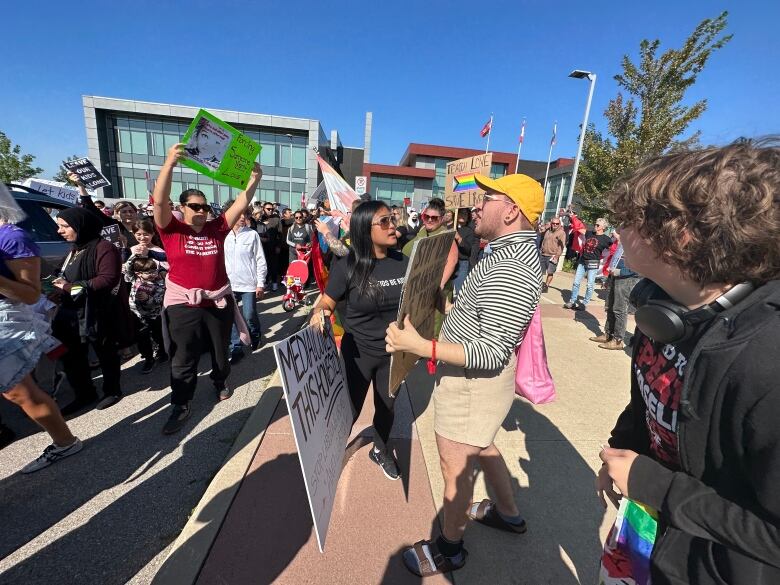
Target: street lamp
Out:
[290,136]
[580,74]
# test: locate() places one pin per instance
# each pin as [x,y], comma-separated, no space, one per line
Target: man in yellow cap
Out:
[476,368]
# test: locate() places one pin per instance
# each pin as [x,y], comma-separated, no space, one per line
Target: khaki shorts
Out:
[471,405]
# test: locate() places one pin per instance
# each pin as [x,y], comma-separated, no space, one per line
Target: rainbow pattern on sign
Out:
[465,182]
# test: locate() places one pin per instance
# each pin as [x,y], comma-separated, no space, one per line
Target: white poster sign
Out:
[360,185]
[54,189]
[320,413]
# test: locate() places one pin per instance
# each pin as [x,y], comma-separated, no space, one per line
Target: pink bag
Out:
[533,380]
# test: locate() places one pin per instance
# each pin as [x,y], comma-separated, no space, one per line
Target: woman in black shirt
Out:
[369,281]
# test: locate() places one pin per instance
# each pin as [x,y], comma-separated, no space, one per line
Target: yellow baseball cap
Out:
[526,192]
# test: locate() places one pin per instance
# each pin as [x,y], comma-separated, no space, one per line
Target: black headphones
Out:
[666,321]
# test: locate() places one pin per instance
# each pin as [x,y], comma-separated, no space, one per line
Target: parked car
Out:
[41,225]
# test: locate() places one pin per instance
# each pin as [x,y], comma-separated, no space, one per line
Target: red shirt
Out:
[197,260]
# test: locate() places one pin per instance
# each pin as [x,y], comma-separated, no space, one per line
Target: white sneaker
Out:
[52,454]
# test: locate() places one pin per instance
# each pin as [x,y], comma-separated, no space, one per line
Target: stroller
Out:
[295,280]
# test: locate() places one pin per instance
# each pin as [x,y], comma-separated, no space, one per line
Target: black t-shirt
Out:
[593,246]
[365,319]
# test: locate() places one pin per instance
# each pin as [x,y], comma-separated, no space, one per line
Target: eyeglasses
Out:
[298,217]
[487,198]
[198,207]
[428,217]
[385,222]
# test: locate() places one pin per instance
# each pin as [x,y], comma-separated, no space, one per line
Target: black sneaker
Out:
[386,461]
[236,356]
[108,401]
[179,415]
[223,391]
[256,344]
[148,365]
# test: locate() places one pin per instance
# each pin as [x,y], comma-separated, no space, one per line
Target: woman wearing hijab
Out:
[89,282]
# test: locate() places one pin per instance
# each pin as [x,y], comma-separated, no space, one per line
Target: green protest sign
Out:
[216,149]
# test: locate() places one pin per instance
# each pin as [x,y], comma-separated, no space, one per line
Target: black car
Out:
[41,225]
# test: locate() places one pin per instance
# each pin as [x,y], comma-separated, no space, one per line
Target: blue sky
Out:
[430,71]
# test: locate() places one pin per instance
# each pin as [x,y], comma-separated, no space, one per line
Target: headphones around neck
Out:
[666,321]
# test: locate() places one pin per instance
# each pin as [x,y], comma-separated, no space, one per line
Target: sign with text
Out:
[460,188]
[215,149]
[320,414]
[111,233]
[360,185]
[88,174]
[418,297]
[54,189]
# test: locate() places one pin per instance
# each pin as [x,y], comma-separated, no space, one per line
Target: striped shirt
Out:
[496,303]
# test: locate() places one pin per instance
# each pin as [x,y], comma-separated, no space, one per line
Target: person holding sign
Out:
[476,368]
[369,280]
[198,298]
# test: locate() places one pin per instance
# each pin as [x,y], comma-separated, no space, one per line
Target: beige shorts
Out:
[471,405]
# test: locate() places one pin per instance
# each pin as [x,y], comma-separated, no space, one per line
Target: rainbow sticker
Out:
[465,182]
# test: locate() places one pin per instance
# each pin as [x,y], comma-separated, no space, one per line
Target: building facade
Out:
[128,138]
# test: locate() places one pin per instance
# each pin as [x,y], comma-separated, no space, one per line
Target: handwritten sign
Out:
[460,188]
[54,189]
[215,149]
[418,297]
[320,413]
[88,174]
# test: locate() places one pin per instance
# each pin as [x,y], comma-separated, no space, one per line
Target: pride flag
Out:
[626,557]
[465,182]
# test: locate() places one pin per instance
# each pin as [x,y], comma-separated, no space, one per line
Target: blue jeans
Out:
[575,288]
[249,311]
[463,272]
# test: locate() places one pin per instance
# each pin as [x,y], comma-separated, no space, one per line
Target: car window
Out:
[38,223]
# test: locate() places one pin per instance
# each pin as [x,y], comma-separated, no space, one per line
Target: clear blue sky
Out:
[430,71]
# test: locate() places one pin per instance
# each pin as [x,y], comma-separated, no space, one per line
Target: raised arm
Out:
[162,188]
[244,198]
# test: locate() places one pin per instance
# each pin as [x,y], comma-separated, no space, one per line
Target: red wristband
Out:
[432,361]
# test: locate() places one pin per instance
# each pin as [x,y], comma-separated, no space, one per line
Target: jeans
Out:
[617,305]
[249,311]
[575,288]
[463,272]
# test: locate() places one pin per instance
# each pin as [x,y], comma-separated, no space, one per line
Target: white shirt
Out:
[244,260]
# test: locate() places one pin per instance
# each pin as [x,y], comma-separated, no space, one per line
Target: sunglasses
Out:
[555,223]
[198,207]
[428,217]
[298,217]
[385,222]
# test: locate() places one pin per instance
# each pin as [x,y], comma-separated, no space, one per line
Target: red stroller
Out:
[295,280]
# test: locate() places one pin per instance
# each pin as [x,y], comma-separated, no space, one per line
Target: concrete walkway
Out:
[253,525]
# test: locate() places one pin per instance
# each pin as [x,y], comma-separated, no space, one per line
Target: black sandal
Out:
[485,513]
[433,562]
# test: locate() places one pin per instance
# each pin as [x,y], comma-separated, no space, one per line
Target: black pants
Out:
[75,362]
[149,331]
[272,261]
[191,329]
[363,369]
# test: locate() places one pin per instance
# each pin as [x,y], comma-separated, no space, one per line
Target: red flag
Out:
[487,127]
[579,239]
[317,264]
[611,254]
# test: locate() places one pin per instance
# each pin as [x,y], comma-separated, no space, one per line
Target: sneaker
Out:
[570,305]
[256,344]
[603,338]
[236,356]
[223,391]
[545,288]
[386,461]
[148,365]
[179,415]
[579,307]
[52,454]
[108,401]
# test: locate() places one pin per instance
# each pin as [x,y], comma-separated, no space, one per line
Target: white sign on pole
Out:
[54,189]
[320,413]
[360,185]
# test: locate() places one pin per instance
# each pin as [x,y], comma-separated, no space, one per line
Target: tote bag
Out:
[533,380]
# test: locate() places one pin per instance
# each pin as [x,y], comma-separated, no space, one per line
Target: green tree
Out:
[15,166]
[62,174]
[650,118]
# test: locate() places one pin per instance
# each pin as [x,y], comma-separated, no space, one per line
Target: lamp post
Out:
[580,74]
[290,136]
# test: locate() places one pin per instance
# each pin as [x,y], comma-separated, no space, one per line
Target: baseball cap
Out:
[526,192]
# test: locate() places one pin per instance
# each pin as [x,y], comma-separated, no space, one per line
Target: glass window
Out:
[497,170]
[140,188]
[158,144]
[138,140]
[137,124]
[284,155]
[128,187]
[268,155]
[170,140]
[124,141]
[176,190]
[299,158]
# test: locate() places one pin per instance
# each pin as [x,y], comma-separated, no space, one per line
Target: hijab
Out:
[85,223]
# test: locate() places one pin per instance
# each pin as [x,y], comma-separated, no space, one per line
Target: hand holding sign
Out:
[406,339]
[175,154]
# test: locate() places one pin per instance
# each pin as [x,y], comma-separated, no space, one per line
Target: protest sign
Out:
[54,189]
[111,233]
[360,185]
[320,414]
[88,174]
[418,297]
[460,188]
[215,149]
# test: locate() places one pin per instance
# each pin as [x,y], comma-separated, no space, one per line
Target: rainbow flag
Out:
[465,182]
[626,557]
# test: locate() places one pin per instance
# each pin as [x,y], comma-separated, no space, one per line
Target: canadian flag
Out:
[486,128]
[579,239]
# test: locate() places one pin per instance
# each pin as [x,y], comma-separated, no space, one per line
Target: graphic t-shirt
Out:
[197,260]
[14,243]
[367,319]
[592,248]
[299,234]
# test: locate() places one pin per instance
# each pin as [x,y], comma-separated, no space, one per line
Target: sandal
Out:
[424,559]
[485,513]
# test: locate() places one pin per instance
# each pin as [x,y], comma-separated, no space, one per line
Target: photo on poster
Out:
[208,144]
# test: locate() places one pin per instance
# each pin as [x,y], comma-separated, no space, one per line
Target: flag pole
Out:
[547,172]
[490,131]
[520,146]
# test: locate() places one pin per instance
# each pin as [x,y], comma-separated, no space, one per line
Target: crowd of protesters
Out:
[695,252]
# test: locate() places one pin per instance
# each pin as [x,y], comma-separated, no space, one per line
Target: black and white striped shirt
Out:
[496,303]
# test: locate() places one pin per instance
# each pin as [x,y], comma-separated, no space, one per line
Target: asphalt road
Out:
[108,514]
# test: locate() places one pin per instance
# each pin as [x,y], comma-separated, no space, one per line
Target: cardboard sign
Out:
[111,233]
[215,149]
[88,174]
[320,413]
[54,189]
[418,297]
[460,189]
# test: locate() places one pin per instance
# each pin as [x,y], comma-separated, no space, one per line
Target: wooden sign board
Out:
[460,189]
